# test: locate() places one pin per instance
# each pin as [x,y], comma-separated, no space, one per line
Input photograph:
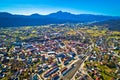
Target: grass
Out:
[5,78]
[106,72]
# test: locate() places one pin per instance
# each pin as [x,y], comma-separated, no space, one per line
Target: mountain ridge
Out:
[14,20]
[110,24]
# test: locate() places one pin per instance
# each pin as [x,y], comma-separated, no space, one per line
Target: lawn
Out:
[105,71]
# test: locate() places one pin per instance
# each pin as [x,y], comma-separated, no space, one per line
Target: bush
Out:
[111,65]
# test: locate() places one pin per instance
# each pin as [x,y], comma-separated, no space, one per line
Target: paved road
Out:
[78,64]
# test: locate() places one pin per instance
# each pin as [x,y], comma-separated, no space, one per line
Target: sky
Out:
[27,7]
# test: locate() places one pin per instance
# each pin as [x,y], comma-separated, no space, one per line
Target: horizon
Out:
[59,11]
[53,12]
[44,7]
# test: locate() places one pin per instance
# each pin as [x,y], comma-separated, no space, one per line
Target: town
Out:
[59,52]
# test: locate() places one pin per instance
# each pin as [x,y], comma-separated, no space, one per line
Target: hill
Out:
[11,20]
[111,24]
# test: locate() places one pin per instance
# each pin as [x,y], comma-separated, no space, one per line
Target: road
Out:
[78,64]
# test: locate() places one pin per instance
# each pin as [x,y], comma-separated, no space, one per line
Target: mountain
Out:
[110,24]
[80,17]
[5,14]
[11,20]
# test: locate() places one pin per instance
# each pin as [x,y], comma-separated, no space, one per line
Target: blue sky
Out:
[104,7]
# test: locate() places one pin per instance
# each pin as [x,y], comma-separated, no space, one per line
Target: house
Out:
[55,77]
[51,71]
[51,52]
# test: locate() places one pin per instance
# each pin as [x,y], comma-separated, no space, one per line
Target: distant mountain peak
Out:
[5,14]
[7,19]
[61,12]
[35,14]
[61,15]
